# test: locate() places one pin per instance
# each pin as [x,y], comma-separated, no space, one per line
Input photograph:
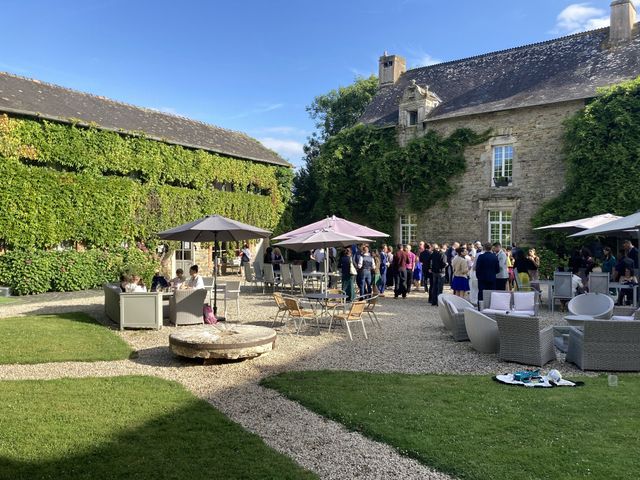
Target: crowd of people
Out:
[469,268]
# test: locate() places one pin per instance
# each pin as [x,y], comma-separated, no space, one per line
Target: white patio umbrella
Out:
[214,228]
[336,224]
[630,223]
[582,223]
[323,238]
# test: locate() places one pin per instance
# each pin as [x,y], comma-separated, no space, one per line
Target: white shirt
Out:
[576,282]
[318,255]
[502,260]
[195,282]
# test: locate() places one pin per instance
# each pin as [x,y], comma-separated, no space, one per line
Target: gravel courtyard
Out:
[411,340]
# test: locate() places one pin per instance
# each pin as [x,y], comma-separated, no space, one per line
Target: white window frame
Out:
[503,220]
[505,169]
[408,228]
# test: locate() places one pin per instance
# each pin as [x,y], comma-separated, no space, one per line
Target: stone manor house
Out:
[523,95]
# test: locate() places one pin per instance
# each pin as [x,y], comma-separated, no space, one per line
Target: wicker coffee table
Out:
[222,341]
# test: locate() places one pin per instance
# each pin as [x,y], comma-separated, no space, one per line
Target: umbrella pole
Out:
[215,274]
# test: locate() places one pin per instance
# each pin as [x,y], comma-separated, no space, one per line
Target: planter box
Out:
[5,292]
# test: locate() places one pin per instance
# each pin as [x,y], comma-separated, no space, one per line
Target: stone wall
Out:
[538,173]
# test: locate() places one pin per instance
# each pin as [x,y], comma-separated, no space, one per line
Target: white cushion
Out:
[622,318]
[524,300]
[492,311]
[500,301]
[454,309]
[522,313]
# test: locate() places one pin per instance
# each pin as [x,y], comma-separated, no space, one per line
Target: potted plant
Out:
[501,181]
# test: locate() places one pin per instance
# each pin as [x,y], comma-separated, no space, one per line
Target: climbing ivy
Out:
[360,172]
[67,183]
[602,145]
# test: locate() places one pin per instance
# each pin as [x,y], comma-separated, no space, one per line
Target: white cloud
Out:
[580,17]
[289,149]
[420,58]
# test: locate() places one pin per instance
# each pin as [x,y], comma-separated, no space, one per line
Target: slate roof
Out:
[563,69]
[25,96]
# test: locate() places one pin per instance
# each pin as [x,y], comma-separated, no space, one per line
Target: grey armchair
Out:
[522,341]
[454,315]
[596,305]
[133,310]
[605,345]
[482,331]
[185,307]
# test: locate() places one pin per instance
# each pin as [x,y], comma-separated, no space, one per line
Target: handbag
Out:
[352,269]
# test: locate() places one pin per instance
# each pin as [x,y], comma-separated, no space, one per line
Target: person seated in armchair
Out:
[195,281]
[625,297]
[135,285]
[178,280]
[158,282]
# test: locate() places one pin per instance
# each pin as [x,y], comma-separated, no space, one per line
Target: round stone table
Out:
[222,341]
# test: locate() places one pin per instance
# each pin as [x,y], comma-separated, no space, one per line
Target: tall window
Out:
[413,117]
[502,170]
[500,227]
[408,227]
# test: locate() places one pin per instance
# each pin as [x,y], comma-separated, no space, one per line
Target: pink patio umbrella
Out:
[323,238]
[336,224]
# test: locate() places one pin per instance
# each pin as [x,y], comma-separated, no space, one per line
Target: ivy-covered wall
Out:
[63,182]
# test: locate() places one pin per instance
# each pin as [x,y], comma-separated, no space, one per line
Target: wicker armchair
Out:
[522,341]
[185,307]
[605,345]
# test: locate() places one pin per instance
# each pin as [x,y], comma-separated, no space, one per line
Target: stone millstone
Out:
[222,341]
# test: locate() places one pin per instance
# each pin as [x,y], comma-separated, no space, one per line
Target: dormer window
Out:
[413,117]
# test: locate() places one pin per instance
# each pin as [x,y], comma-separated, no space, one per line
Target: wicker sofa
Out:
[132,310]
[451,309]
[605,345]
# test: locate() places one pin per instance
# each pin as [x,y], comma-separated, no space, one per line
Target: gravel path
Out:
[411,340]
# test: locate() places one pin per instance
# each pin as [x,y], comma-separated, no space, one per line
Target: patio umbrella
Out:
[336,224]
[323,238]
[630,223]
[214,228]
[582,223]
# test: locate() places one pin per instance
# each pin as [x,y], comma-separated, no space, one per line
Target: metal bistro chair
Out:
[369,309]
[268,277]
[354,314]
[599,283]
[299,314]
[249,276]
[231,293]
[285,276]
[297,279]
[282,308]
[562,288]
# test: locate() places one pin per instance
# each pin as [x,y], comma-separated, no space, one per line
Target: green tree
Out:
[602,144]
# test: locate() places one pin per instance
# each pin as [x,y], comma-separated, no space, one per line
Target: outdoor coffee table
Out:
[577,320]
[222,341]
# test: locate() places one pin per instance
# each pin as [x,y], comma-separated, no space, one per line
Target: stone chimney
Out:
[623,17]
[390,69]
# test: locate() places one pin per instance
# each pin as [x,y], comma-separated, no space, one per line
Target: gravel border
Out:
[411,340]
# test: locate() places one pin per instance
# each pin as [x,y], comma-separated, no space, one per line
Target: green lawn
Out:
[58,338]
[125,427]
[473,427]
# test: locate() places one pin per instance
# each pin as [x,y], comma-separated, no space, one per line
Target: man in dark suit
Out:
[487,266]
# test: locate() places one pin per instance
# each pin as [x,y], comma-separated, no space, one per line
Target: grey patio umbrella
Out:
[630,224]
[323,238]
[214,228]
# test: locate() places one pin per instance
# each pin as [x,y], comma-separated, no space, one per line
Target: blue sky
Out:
[254,65]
